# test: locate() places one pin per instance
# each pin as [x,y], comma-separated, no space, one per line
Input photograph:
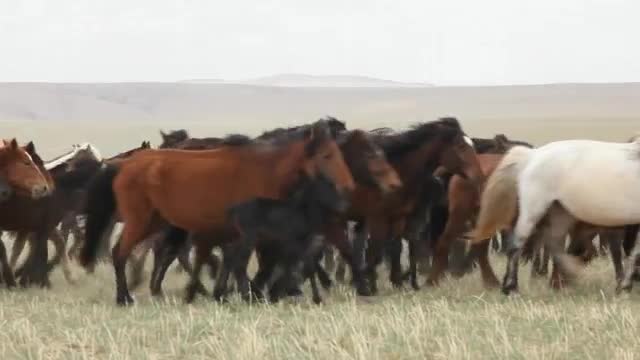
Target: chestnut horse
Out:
[27,183]
[69,172]
[193,189]
[365,160]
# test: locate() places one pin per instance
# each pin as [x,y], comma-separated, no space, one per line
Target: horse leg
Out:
[394,252]
[317,299]
[532,210]
[18,247]
[632,260]
[61,253]
[453,229]
[329,259]
[220,288]
[136,270]
[358,261]
[35,268]
[489,278]
[335,234]
[380,232]
[614,241]
[323,276]
[559,224]
[413,264]
[7,273]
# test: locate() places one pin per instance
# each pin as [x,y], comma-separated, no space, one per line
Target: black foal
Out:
[286,236]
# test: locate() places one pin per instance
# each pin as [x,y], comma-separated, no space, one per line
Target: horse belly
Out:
[614,203]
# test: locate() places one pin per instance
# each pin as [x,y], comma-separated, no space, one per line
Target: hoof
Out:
[414,285]
[125,300]
[363,290]
[508,289]
[626,288]
[317,300]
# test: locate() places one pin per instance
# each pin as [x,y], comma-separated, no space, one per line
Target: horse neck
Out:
[284,163]
[419,162]
[489,162]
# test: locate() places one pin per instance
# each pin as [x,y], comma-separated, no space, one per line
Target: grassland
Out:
[459,320]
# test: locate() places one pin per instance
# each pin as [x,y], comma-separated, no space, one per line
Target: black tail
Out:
[100,208]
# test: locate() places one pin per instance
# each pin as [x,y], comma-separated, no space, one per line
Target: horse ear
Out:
[31,148]
[501,138]
[309,133]
[14,144]
[163,134]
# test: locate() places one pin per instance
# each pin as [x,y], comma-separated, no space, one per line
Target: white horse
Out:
[563,182]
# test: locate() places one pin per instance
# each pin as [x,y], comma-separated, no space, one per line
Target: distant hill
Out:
[304,80]
[363,106]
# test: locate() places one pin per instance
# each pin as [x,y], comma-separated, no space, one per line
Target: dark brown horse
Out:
[70,224]
[414,154]
[192,190]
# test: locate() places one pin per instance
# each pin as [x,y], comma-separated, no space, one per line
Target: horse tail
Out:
[100,208]
[499,201]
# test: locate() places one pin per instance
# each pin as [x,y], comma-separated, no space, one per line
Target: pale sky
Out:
[445,42]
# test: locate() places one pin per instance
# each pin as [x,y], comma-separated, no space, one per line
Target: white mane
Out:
[70,155]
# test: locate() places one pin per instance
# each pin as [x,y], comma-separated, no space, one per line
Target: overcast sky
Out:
[445,42]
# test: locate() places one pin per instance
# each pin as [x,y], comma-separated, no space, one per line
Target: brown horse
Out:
[414,154]
[29,184]
[192,190]
[463,202]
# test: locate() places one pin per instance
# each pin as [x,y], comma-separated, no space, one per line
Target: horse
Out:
[414,154]
[40,218]
[366,161]
[461,206]
[5,191]
[27,183]
[287,232]
[548,182]
[192,190]
[69,224]
[80,159]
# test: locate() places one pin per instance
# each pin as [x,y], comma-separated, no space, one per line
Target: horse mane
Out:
[500,143]
[83,171]
[334,125]
[398,144]
[180,134]
[236,140]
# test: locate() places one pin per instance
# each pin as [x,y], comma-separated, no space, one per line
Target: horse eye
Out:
[27,162]
[327,157]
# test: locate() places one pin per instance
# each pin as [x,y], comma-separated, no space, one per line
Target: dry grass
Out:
[457,321]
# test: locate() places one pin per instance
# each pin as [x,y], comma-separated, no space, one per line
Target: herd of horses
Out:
[295,196]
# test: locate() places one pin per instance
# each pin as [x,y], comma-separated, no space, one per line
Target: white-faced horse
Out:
[563,182]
